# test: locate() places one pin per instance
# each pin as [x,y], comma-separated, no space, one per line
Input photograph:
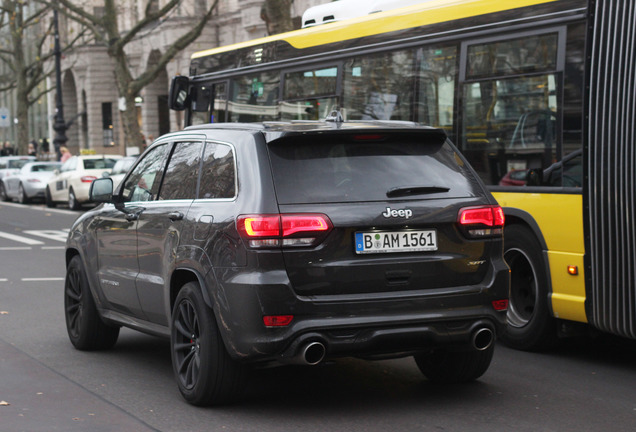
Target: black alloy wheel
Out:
[205,372]
[85,328]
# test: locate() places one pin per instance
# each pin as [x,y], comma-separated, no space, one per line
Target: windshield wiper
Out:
[402,191]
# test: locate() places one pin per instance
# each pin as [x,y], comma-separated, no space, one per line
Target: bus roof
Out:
[431,12]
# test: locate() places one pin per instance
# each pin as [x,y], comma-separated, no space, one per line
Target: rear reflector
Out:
[277,320]
[500,305]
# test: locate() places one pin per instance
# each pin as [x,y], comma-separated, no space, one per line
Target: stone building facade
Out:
[91,100]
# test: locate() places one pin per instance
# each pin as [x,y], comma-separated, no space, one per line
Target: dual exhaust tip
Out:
[312,353]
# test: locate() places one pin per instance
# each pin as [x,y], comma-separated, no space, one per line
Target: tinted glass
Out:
[348,171]
[510,125]
[182,173]
[254,98]
[529,54]
[218,179]
[143,182]
[379,87]
[311,83]
[436,89]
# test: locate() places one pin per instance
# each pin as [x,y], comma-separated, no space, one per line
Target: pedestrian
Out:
[33,148]
[66,155]
[7,150]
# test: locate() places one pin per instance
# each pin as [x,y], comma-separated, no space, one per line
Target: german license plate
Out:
[395,241]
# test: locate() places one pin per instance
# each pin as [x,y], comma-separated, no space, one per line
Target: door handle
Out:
[131,217]
[175,216]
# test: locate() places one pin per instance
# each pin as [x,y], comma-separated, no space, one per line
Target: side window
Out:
[143,182]
[436,89]
[218,174]
[182,172]
[254,98]
[510,107]
[309,94]
[379,87]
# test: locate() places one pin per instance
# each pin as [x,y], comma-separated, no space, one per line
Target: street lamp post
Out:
[60,125]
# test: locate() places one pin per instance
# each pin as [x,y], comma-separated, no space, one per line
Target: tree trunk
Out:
[277,16]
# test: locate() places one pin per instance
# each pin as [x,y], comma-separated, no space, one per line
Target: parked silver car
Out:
[29,182]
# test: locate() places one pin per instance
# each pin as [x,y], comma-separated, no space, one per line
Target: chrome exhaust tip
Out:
[483,338]
[313,353]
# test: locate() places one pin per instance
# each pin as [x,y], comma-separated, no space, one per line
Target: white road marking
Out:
[20,239]
[16,248]
[54,279]
[49,234]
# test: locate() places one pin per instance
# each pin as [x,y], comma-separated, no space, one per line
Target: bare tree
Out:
[25,54]
[106,30]
[277,16]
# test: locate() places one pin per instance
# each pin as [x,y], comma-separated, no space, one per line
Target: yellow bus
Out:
[540,95]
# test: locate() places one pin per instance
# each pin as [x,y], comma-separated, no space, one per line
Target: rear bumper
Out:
[387,325]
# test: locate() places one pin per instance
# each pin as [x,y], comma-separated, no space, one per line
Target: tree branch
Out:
[150,74]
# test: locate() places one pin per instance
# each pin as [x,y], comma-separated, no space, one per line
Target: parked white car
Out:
[29,182]
[121,168]
[11,164]
[73,181]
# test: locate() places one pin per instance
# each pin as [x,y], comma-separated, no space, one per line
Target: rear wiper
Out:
[401,191]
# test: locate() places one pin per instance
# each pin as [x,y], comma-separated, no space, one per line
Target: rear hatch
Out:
[389,202]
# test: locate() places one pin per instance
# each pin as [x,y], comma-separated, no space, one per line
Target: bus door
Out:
[309,93]
[208,103]
[511,105]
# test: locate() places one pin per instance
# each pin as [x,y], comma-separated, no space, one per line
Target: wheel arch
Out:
[520,217]
[182,276]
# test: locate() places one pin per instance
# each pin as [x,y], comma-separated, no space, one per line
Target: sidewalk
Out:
[35,398]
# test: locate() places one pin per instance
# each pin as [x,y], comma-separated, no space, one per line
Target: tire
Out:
[530,324]
[450,367]
[48,199]
[85,328]
[22,196]
[3,193]
[204,371]
[73,204]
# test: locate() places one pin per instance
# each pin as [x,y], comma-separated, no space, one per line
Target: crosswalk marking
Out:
[49,234]
[20,239]
[56,235]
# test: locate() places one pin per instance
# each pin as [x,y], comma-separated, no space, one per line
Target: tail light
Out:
[88,179]
[479,222]
[288,230]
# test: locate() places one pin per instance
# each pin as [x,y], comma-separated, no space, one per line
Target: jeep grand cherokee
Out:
[259,244]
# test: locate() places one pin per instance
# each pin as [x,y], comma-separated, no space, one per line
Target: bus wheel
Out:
[530,325]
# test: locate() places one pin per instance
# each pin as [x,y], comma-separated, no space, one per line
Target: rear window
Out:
[342,169]
[99,163]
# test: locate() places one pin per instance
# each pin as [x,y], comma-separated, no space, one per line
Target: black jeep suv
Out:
[256,244]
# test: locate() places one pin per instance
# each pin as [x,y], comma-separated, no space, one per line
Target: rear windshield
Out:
[104,163]
[341,169]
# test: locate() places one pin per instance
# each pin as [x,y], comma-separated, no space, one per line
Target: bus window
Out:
[517,56]
[219,107]
[254,98]
[509,123]
[379,87]
[201,96]
[302,91]
[436,90]
[510,126]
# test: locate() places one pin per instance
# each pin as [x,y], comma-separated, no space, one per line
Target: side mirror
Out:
[178,98]
[101,190]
